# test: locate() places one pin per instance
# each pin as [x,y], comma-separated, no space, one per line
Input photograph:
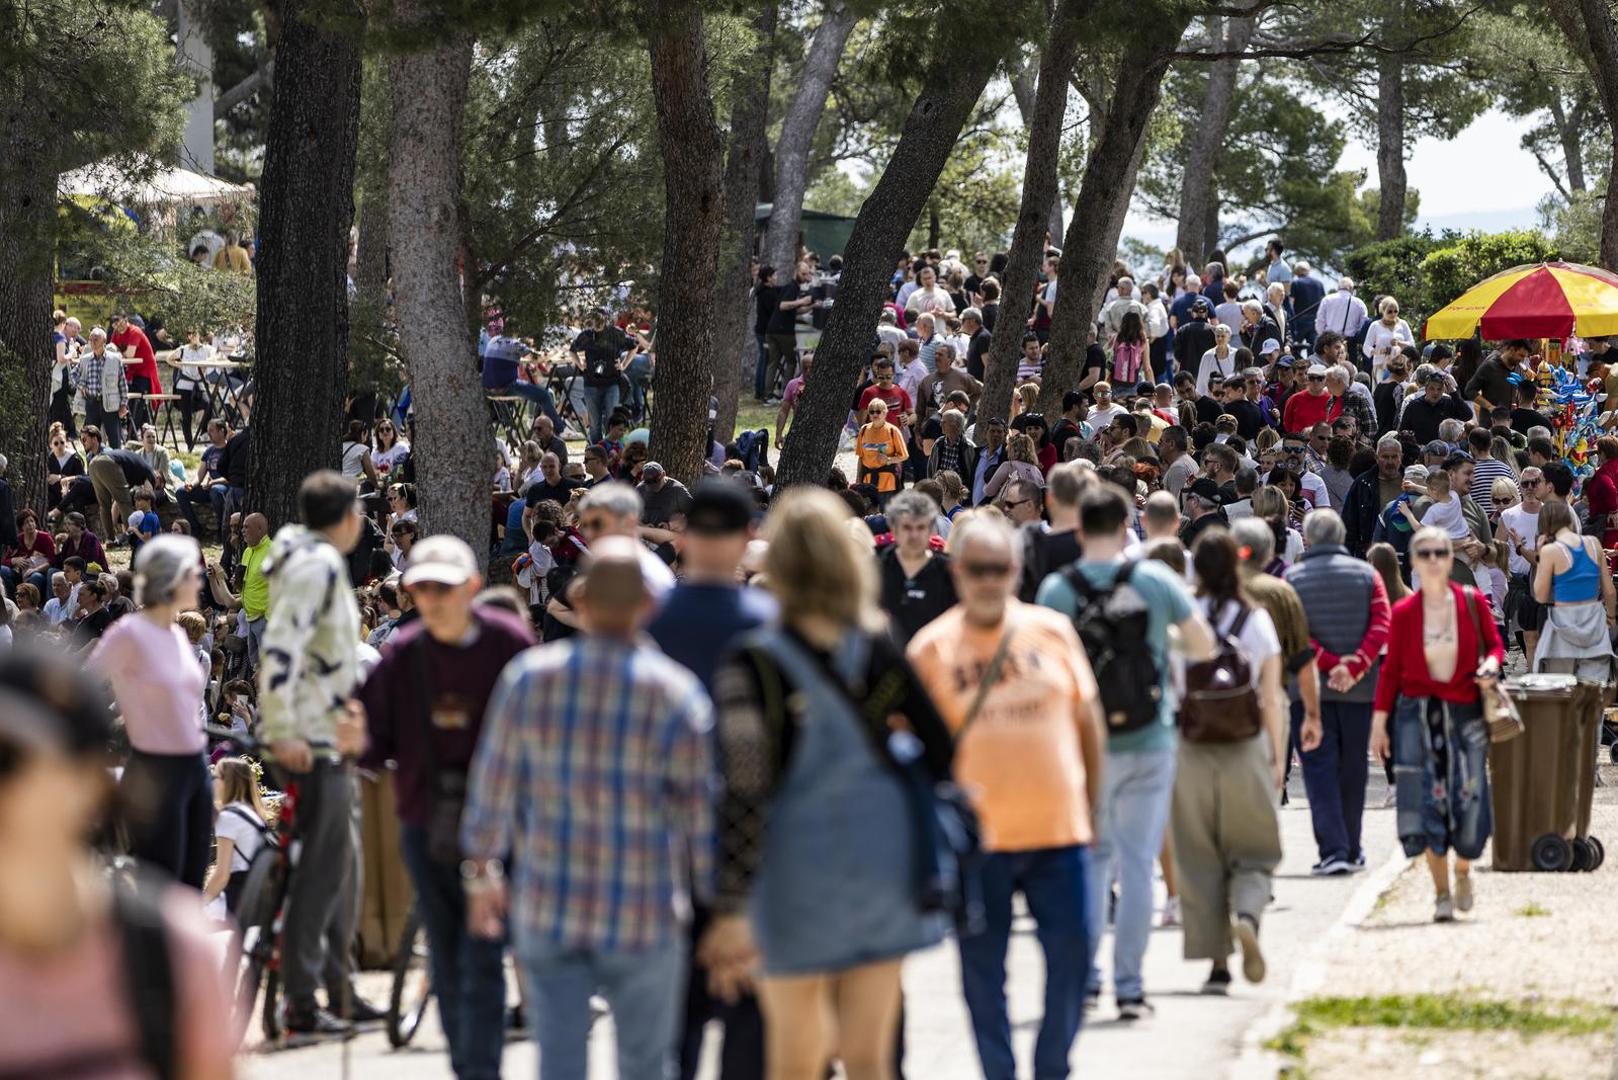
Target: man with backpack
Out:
[1122,610]
[1013,685]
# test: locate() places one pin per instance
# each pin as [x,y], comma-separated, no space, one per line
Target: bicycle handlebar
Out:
[247,744]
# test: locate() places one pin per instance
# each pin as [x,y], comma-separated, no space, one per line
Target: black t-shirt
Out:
[764,301]
[1044,553]
[136,471]
[542,489]
[1208,410]
[601,353]
[1249,418]
[912,603]
[991,312]
[234,463]
[1064,430]
[786,322]
[1095,359]
[1387,407]
[1493,382]
[976,351]
[1523,418]
[659,507]
[1422,417]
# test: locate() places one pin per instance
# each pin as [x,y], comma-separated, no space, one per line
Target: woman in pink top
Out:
[69,974]
[159,686]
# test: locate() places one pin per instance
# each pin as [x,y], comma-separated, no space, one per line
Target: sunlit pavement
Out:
[1191,1037]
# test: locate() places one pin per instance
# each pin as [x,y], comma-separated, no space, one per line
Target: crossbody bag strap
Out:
[991,675]
[1470,596]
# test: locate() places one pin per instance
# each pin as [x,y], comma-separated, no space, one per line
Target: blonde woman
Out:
[1386,337]
[239,831]
[812,806]
[1022,462]
[880,448]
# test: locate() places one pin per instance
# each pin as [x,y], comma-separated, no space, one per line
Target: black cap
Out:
[719,507]
[1204,488]
[1200,306]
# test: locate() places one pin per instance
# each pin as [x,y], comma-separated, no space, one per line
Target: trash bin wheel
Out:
[1551,854]
[1584,855]
[1612,753]
[1601,852]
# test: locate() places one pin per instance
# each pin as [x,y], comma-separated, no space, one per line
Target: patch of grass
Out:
[1531,910]
[1417,1012]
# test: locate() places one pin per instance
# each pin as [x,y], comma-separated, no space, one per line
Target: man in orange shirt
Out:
[1012,681]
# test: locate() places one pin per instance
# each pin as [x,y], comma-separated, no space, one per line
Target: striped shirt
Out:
[1485,472]
[595,771]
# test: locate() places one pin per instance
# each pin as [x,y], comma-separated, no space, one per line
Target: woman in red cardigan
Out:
[1441,648]
[1601,491]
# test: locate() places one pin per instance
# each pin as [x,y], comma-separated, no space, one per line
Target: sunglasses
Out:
[1293,449]
[1317,378]
[981,571]
[1012,504]
[1431,553]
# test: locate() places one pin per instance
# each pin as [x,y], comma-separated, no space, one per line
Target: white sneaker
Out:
[1463,892]
[1444,909]
[1171,912]
[1246,934]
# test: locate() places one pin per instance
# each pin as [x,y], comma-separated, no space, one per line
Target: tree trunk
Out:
[1197,200]
[798,135]
[306,207]
[1569,128]
[1024,84]
[693,220]
[194,57]
[453,448]
[1043,121]
[749,121]
[28,173]
[1390,145]
[1588,27]
[1098,213]
[884,221]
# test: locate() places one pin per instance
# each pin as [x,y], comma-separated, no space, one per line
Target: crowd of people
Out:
[689,758]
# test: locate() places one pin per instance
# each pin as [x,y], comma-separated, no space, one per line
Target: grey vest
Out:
[1336,590]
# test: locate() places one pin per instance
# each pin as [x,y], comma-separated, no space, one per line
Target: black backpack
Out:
[1113,626]
[1220,703]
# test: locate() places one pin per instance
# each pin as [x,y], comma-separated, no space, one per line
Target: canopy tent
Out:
[1543,300]
[168,185]
[822,233]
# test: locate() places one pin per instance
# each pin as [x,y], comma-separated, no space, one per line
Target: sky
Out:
[1482,179]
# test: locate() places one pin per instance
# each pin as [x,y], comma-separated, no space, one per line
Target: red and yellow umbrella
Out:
[1544,300]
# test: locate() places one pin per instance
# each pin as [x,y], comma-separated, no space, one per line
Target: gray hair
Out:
[1452,431]
[911,504]
[1253,305]
[161,565]
[952,417]
[1255,535]
[992,527]
[1341,373]
[974,314]
[944,347]
[1539,431]
[616,498]
[1323,526]
[1193,282]
[1390,439]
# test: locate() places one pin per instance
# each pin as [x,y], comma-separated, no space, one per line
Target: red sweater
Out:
[1305,410]
[1404,669]
[1601,492]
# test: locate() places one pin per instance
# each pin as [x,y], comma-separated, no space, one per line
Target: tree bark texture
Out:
[454,447]
[798,136]
[885,220]
[1098,213]
[1043,120]
[1390,145]
[28,173]
[1569,129]
[1024,86]
[744,161]
[693,220]
[1198,201]
[1588,27]
[306,207]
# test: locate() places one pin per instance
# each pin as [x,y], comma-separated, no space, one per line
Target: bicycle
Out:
[260,911]
[412,982]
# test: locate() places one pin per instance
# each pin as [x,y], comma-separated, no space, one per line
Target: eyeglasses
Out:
[987,570]
[1431,553]
[1527,483]
[1012,504]
[1317,378]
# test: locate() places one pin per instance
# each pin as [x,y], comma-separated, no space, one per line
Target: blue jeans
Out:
[1055,883]
[468,973]
[600,401]
[1334,776]
[1133,814]
[646,990]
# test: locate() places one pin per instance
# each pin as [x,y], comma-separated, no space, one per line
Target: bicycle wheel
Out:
[412,983]
[256,912]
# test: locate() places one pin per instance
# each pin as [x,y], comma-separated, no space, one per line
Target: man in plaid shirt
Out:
[595,770]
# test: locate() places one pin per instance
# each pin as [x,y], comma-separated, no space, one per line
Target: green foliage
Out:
[152,270]
[1455,1012]
[1461,264]
[1425,272]
[1575,226]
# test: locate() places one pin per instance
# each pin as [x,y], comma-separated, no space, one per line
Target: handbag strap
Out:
[1471,595]
[991,675]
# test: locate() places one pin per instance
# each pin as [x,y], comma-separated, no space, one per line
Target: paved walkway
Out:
[1192,1037]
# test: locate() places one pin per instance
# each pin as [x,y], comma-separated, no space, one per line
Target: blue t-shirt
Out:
[500,358]
[1169,603]
[149,524]
[516,541]
[699,623]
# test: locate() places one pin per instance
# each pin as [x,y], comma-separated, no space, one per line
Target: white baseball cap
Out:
[446,560]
